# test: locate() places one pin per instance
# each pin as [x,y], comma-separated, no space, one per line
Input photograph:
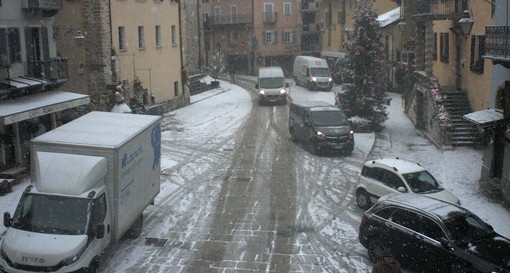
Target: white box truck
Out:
[312,72]
[271,85]
[91,180]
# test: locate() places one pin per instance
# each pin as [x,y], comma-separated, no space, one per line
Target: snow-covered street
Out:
[203,173]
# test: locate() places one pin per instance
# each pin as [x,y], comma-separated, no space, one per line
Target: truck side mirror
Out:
[100,231]
[7,219]
[287,85]
[256,86]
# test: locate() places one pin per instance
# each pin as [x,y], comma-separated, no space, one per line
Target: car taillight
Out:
[364,218]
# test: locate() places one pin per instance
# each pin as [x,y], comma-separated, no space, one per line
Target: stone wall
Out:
[98,46]
[421,109]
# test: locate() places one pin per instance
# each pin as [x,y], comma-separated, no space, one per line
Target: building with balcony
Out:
[246,35]
[228,29]
[495,121]
[131,42]
[32,72]
[452,77]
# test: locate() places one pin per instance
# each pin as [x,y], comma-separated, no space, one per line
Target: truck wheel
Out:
[136,229]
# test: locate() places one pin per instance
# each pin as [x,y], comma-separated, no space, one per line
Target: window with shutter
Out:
[4,52]
[477,51]
[14,45]
[444,47]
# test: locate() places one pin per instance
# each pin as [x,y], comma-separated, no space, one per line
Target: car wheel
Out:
[363,199]
[93,266]
[375,248]
[292,135]
[313,147]
[309,86]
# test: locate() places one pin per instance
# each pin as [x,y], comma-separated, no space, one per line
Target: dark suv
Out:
[321,127]
[433,235]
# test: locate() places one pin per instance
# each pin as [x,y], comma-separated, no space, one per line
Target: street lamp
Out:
[466,23]
[402,24]
[79,38]
[59,32]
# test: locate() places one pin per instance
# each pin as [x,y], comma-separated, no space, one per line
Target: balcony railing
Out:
[240,20]
[497,42]
[311,6]
[52,70]
[270,18]
[311,28]
[48,8]
[440,9]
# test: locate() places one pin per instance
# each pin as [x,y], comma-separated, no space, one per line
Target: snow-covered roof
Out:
[104,129]
[389,17]
[485,117]
[402,165]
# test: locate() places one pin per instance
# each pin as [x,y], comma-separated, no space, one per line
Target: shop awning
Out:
[27,107]
[485,118]
[389,17]
[23,82]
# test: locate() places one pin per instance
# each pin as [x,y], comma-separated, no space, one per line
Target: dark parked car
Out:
[433,235]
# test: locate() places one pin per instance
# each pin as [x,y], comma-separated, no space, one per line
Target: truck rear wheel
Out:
[136,229]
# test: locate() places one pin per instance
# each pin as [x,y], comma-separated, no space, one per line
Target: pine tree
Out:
[364,95]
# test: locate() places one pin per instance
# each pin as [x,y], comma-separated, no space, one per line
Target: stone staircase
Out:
[463,133]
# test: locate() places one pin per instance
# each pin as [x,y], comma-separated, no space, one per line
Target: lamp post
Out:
[401,25]
[466,23]
[79,38]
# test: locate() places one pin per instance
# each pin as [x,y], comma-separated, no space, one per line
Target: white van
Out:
[271,85]
[313,73]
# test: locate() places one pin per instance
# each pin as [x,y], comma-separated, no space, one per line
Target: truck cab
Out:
[63,220]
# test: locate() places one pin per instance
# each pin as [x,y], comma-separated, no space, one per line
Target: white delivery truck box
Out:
[312,72]
[92,178]
[271,85]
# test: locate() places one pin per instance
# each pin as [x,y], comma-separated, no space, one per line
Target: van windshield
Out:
[329,118]
[319,71]
[275,82]
[52,214]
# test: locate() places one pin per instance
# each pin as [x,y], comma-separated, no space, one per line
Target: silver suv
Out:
[391,175]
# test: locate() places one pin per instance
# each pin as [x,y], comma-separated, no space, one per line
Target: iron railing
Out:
[440,7]
[42,4]
[315,6]
[53,70]
[270,18]
[311,28]
[240,20]
[497,41]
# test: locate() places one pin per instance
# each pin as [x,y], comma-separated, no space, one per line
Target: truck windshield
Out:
[52,214]
[319,71]
[329,118]
[276,82]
